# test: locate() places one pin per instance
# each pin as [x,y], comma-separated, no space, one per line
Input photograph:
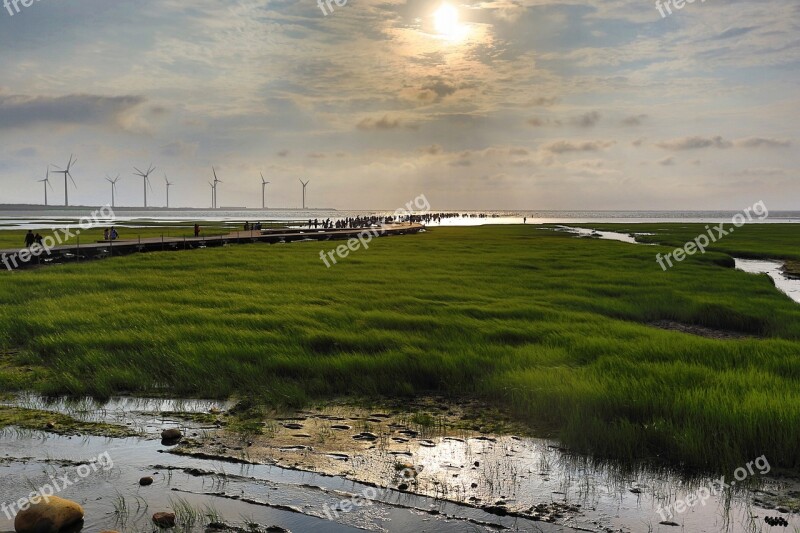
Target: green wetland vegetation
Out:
[552,329]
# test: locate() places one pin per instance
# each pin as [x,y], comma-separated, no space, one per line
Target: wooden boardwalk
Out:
[12,259]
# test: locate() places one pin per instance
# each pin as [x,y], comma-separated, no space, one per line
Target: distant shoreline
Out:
[39,207]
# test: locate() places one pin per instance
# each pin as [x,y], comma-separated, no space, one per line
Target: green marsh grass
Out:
[547,327]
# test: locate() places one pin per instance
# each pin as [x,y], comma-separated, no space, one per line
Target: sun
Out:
[446,22]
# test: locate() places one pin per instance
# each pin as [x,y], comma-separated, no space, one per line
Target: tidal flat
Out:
[562,335]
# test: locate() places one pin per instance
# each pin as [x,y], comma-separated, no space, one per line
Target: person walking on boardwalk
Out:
[197,230]
[29,239]
[38,239]
[105,234]
[114,235]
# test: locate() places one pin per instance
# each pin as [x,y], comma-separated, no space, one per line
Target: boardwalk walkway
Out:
[13,259]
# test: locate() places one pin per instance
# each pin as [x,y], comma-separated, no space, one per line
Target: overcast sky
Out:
[519,104]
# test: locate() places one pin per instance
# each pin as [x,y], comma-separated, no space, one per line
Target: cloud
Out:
[179,149]
[433,149]
[158,110]
[667,162]
[436,88]
[563,146]
[542,101]
[538,122]
[587,120]
[283,153]
[29,151]
[762,172]
[384,123]
[20,111]
[634,120]
[694,143]
[761,142]
[734,32]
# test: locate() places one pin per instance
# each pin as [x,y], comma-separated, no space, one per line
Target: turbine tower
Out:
[264,184]
[169,184]
[67,178]
[305,184]
[145,179]
[113,187]
[47,184]
[214,189]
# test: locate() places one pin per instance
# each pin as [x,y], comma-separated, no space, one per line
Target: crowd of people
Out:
[348,223]
[369,221]
[437,217]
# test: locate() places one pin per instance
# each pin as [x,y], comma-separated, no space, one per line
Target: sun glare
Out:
[446,22]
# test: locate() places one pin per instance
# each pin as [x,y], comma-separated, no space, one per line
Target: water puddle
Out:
[629,238]
[774,269]
[459,481]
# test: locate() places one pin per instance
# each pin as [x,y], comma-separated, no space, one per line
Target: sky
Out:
[495,104]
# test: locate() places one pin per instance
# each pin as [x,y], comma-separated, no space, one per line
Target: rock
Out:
[293,425]
[366,436]
[498,510]
[669,523]
[48,516]
[341,427]
[50,425]
[164,520]
[171,434]
[146,481]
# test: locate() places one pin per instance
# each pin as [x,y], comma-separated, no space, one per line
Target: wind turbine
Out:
[264,184]
[67,178]
[213,194]
[113,187]
[169,184]
[146,179]
[47,184]
[214,187]
[305,184]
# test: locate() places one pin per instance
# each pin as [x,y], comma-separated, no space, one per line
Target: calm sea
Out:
[33,218]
